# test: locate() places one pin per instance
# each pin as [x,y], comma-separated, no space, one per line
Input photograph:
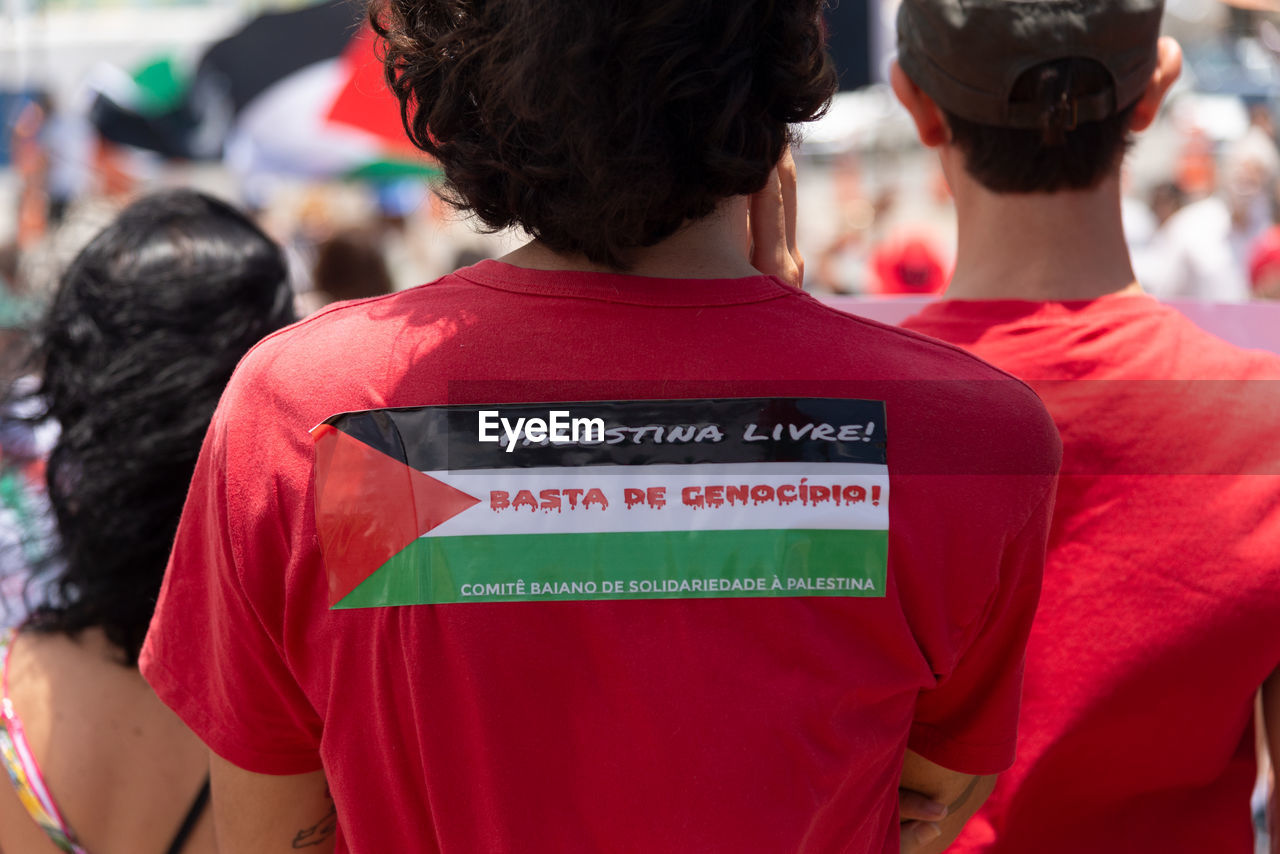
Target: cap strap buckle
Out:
[1065,101]
[1061,116]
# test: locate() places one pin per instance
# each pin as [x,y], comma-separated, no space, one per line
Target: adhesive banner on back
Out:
[744,497]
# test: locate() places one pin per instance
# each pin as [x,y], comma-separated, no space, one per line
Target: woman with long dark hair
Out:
[145,329]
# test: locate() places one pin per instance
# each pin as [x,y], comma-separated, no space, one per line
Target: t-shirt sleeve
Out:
[215,650]
[969,721]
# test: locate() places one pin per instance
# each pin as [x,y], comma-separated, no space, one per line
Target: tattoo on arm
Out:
[320,832]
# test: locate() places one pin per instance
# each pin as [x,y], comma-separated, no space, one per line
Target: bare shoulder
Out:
[122,767]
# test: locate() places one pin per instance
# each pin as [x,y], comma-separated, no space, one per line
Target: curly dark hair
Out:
[599,126]
[142,335]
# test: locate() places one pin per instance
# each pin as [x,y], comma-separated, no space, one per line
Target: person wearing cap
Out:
[1264,265]
[1157,624]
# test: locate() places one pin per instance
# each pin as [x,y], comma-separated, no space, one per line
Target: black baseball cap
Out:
[967,54]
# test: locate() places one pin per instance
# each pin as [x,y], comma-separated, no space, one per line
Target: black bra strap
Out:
[189,822]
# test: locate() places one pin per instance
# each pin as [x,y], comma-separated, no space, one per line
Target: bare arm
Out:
[265,814]
[935,802]
[1271,721]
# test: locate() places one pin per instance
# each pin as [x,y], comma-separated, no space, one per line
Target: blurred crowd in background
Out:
[280,110]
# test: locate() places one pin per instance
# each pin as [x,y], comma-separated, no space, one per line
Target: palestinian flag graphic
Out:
[744,497]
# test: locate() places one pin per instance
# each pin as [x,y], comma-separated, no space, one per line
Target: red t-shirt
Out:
[1157,622]
[678,724]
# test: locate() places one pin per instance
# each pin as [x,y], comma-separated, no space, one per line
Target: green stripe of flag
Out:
[633,565]
[392,168]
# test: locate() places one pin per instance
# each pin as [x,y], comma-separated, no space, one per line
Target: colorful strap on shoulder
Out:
[23,770]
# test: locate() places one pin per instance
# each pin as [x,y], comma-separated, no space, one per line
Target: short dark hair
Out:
[147,324]
[599,126]
[1058,156]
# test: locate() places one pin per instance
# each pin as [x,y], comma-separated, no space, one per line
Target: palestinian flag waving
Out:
[744,497]
[297,91]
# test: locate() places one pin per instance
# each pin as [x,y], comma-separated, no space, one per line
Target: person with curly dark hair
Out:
[142,335]
[693,629]
[658,116]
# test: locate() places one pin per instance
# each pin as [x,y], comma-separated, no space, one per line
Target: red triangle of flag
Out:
[365,102]
[370,507]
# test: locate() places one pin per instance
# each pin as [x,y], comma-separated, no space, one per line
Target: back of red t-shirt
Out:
[1161,596]
[685,723]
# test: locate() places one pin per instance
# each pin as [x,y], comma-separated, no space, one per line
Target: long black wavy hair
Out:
[146,327]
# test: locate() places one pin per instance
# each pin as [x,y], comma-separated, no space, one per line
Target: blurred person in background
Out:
[69,185]
[1165,200]
[110,182]
[1157,624]
[31,167]
[1195,171]
[349,264]
[908,264]
[642,146]
[841,267]
[1264,265]
[1204,249]
[24,444]
[50,150]
[143,333]
[1146,228]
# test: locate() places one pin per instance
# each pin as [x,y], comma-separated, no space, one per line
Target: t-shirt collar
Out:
[625,288]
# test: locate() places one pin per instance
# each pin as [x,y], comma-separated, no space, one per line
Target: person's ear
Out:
[930,124]
[1168,68]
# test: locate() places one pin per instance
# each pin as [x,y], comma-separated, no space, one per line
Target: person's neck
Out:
[1044,247]
[714,247]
